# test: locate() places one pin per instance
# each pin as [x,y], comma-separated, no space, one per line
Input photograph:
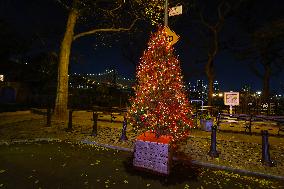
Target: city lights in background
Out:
[109,77]
[258,93]
[217,94]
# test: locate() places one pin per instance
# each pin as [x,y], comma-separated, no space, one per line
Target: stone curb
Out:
[194,162]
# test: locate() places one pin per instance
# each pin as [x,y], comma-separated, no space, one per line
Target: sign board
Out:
[175,10]
[231,98]
[172,37]
[1,77]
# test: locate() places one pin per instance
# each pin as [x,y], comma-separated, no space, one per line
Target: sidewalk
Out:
[237,151]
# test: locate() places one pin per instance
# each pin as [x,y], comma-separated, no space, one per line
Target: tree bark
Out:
[60,110]
[214,29]
[266,84]
[210,76]
[61,103]
[210,66]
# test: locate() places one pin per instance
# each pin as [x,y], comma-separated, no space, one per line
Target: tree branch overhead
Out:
[104,30]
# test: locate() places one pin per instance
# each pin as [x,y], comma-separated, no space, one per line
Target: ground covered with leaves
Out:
[69,165]
[237,150]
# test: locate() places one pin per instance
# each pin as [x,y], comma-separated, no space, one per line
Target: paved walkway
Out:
[237,151]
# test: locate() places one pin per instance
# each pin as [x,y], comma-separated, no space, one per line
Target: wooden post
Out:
[95,124]
[48,116]
[70,120]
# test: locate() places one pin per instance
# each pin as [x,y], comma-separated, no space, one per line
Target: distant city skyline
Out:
[192,85]
[217,85]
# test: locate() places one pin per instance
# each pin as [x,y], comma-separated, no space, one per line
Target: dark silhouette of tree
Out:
[262,39]
[209,17]
[12,48]
[108,16]
[41,71]
[134,44]
[268,44]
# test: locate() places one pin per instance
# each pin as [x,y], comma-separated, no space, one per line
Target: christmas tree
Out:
[160,104]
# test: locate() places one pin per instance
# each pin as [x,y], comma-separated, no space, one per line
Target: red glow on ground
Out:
[150,137]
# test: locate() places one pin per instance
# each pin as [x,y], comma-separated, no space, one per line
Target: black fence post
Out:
[213,151]
[70,121]
[48,116]
[123,136]
[265,149]
[95,124]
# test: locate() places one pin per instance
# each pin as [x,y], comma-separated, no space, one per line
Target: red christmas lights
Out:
[160,104]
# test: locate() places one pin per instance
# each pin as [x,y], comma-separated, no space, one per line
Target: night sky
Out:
[43,22]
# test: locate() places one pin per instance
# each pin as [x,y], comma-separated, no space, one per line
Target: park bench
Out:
[112,111]
[249,120]
[281,128]
[236,118]
[224,118]
[278,119]
[280,124]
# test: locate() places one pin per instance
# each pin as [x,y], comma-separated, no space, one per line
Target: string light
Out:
[160,103]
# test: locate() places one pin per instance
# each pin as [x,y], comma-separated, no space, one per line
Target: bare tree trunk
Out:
[266,85]
[210,66]
[60,111]
[210,76]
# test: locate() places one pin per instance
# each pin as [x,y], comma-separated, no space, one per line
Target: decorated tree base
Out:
[153,154]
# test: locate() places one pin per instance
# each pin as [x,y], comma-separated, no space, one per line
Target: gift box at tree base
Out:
[154,154]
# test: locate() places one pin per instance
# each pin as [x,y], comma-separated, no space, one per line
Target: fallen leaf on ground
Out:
[125,181]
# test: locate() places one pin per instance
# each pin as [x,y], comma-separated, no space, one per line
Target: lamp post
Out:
[166,12]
